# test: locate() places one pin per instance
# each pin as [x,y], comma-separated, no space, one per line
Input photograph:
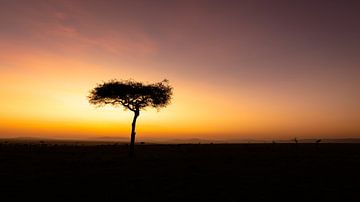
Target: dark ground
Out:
[239,172]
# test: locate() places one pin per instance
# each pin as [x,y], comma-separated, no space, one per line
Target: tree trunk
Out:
[132,140]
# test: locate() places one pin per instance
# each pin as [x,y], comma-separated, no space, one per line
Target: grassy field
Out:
[188,172]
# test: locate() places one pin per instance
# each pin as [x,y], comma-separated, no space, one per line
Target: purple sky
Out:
[298,60]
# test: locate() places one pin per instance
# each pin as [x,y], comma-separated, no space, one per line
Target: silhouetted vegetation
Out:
[133,96]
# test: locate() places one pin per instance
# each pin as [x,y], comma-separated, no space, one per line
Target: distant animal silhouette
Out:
[132,96]
[295,140]
[318,141]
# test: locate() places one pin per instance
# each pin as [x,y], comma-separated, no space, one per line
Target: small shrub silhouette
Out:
[317,142]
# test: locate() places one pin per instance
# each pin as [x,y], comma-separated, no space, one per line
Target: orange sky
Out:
[239,70]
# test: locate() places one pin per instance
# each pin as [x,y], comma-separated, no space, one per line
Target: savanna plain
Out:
[63,171]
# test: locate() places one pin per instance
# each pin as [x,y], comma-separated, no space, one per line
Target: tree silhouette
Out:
[133,96]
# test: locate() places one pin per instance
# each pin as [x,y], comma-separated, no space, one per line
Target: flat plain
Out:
[50,171]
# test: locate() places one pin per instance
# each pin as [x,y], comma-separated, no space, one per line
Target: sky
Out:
[251,69]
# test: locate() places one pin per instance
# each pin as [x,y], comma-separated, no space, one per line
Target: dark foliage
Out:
[131,94]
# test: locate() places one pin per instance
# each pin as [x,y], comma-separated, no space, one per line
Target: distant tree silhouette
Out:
[133,96]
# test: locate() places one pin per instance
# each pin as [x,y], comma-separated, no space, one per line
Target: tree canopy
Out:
[131,94]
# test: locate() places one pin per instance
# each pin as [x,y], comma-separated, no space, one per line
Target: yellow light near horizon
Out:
[46,95]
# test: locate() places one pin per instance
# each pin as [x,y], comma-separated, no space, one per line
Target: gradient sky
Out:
[240,69]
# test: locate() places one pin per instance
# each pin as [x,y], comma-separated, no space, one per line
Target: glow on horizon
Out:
[49,64]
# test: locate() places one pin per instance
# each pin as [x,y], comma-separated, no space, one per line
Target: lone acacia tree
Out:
[132,96]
